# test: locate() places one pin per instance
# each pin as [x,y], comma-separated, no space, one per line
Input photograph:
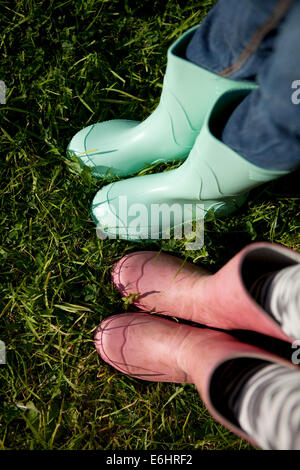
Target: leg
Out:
[256,40]
[269,407]
[236,37]
[279,294]
[263,398]
[222,369]
[264,128]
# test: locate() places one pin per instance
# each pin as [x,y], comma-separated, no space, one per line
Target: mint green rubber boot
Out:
[124,147]
[213,178]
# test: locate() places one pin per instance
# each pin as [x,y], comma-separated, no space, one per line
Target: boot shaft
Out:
[226,293]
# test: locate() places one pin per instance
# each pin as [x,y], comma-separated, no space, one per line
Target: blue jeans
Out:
[257,40]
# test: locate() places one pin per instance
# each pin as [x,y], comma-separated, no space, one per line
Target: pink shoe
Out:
[151,348]
[164,284]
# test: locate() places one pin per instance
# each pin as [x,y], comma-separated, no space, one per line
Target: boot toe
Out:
[98,146]
[109,339]
[127,272]
[107,221]
[142,346]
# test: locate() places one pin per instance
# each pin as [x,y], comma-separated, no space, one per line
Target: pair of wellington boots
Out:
[149,347]
[187,124]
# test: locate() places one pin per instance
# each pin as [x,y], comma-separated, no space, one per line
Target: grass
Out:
[67,64]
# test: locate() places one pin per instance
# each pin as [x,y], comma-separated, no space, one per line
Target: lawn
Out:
[67,64]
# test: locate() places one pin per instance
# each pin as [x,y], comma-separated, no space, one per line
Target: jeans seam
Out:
[279,12]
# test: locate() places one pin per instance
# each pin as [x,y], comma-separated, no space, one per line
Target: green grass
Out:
[67,64]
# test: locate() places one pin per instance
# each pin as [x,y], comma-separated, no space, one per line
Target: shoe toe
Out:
[78,145]
[98,146]
[142,346]
[108,222]
[127,272]
[120,342]
[109,339]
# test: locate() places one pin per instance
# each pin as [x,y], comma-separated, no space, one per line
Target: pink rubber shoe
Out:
[163,284]
[151,348]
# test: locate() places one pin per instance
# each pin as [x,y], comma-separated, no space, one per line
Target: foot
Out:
[120,341]
[163,284]
[151,348]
